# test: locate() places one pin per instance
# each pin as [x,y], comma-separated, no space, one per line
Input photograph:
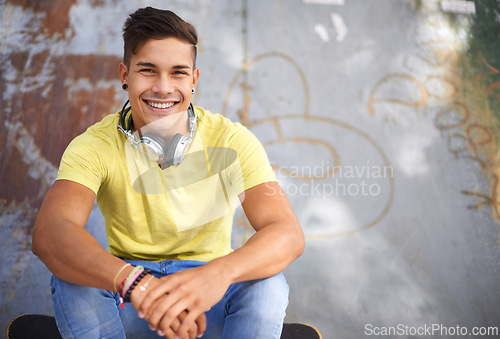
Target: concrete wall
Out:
[378,133]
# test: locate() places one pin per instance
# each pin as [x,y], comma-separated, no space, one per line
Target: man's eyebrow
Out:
[181,67]
[146,64]
[151,65]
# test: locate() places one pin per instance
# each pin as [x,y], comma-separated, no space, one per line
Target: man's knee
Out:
[274,288]
[256,309]
[266,296]
[84,312]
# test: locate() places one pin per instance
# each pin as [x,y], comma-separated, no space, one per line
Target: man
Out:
[168,214]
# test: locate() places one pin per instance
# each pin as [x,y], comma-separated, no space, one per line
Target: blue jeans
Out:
[251,309]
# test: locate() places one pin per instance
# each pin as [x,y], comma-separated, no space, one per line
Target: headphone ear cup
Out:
[172,150]
[154,146]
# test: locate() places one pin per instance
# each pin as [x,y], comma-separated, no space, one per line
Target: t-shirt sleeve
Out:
[253,167]
[82,162]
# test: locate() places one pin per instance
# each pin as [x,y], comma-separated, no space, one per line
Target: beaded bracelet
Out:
[126,298]
[127,281]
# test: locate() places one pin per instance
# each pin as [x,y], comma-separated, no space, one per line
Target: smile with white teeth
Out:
[160,105]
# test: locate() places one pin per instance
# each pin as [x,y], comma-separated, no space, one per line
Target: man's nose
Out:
[163,85]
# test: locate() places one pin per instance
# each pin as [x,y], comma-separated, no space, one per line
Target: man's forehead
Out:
[156,51]
[167,43]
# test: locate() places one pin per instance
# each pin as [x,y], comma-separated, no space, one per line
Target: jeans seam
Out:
[65,319]
[226,303]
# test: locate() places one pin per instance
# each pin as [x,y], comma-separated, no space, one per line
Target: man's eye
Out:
[147,70]
[180,73]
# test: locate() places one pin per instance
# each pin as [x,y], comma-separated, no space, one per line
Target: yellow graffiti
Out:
[489,72]
[390,77]
[440,120]
[444,80]
[478,135]
[467,139]
[295,175]
[487,200]
[241,81]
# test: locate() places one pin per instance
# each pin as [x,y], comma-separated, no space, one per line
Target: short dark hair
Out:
[151,23]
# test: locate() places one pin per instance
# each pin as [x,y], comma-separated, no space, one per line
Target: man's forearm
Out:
[73,255]
[267,253]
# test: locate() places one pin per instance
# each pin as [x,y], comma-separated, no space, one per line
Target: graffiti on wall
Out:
[438,92]
[315,172]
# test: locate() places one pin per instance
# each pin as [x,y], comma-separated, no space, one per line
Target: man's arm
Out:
[279,240]
[72,254]
[62,243]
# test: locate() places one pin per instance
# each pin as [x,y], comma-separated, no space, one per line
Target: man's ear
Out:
[123,72]
[196,76]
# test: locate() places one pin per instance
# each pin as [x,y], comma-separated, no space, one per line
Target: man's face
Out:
[160,79]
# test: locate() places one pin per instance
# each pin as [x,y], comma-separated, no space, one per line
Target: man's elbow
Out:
[39,246]
[299,242]
[36,247]
[43,249]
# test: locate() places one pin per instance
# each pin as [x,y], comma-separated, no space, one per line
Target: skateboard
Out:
[299,331]
[35,326]
[38,326]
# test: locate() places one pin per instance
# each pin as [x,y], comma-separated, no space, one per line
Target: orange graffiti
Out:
[388,78]
[488,72]
[487,200]
[440,120]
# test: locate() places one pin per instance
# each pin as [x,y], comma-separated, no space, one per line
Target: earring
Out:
[125,87]
[193,90]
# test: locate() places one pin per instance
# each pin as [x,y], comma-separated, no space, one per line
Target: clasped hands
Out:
[175,305]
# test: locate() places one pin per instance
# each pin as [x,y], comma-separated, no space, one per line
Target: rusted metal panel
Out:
[48,100]
[48,96]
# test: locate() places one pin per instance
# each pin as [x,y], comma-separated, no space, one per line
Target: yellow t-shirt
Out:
[184,212]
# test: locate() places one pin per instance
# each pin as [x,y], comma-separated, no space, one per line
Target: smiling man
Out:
[167,177]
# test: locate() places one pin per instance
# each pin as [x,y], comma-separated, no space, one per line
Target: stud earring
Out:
[193,90]
[125,87]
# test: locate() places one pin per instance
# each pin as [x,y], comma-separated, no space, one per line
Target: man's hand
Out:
[183,297]
[138,295]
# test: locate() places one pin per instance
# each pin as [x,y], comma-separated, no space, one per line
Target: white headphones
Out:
[154,146]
